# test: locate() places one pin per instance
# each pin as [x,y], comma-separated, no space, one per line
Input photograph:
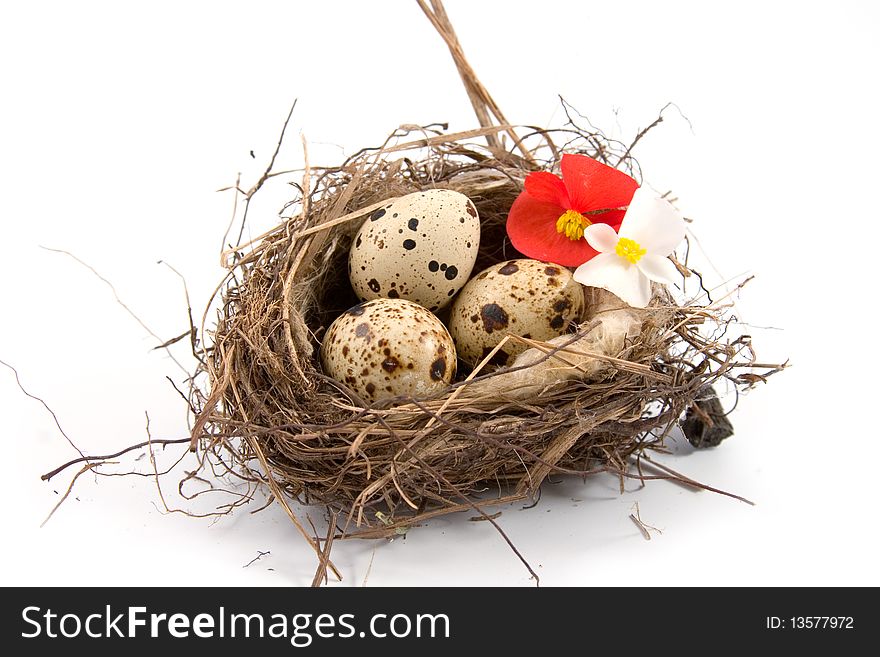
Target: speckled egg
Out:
[522,297]
[421,247]
[389,347]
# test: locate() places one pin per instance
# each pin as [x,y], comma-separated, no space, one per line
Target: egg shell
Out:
[421,247]
[529,298]
[387,348]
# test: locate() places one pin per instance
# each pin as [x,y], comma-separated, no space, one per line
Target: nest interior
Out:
[269,414]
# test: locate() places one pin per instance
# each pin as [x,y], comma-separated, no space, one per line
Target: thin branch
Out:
[107,457]
[253,190]
[119,301]
[259,556]
[84,469]
[321,573]
[46,406]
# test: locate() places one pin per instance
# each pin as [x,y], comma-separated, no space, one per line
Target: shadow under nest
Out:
[269,414]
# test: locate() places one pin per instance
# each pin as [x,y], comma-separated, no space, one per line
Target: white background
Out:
[119,121]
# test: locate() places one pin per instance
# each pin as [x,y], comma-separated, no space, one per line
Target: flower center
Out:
[572,224]
[629,250]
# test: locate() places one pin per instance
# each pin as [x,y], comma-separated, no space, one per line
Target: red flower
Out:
[547,220]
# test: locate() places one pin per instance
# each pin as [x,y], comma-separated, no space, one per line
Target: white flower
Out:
[629,261]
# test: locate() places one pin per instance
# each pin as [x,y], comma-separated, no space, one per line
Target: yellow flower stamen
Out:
[572,224]
[629,250]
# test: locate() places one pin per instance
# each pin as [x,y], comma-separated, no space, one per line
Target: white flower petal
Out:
[659,269]
[601,237]
[611,272]
[653,222]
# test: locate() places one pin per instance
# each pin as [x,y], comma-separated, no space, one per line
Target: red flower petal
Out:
[531,226]
[548,188]
[592,185]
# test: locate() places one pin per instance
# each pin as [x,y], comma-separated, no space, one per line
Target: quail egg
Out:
[524,297]
[389,348]
[420,247]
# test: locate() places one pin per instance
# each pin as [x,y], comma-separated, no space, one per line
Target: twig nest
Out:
[389,348]
[322,430]
[400,228]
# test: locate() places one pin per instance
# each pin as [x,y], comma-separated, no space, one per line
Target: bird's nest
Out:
[598,401]
[271,415]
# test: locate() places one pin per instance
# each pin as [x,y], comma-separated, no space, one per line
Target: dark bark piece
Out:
[705,424]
